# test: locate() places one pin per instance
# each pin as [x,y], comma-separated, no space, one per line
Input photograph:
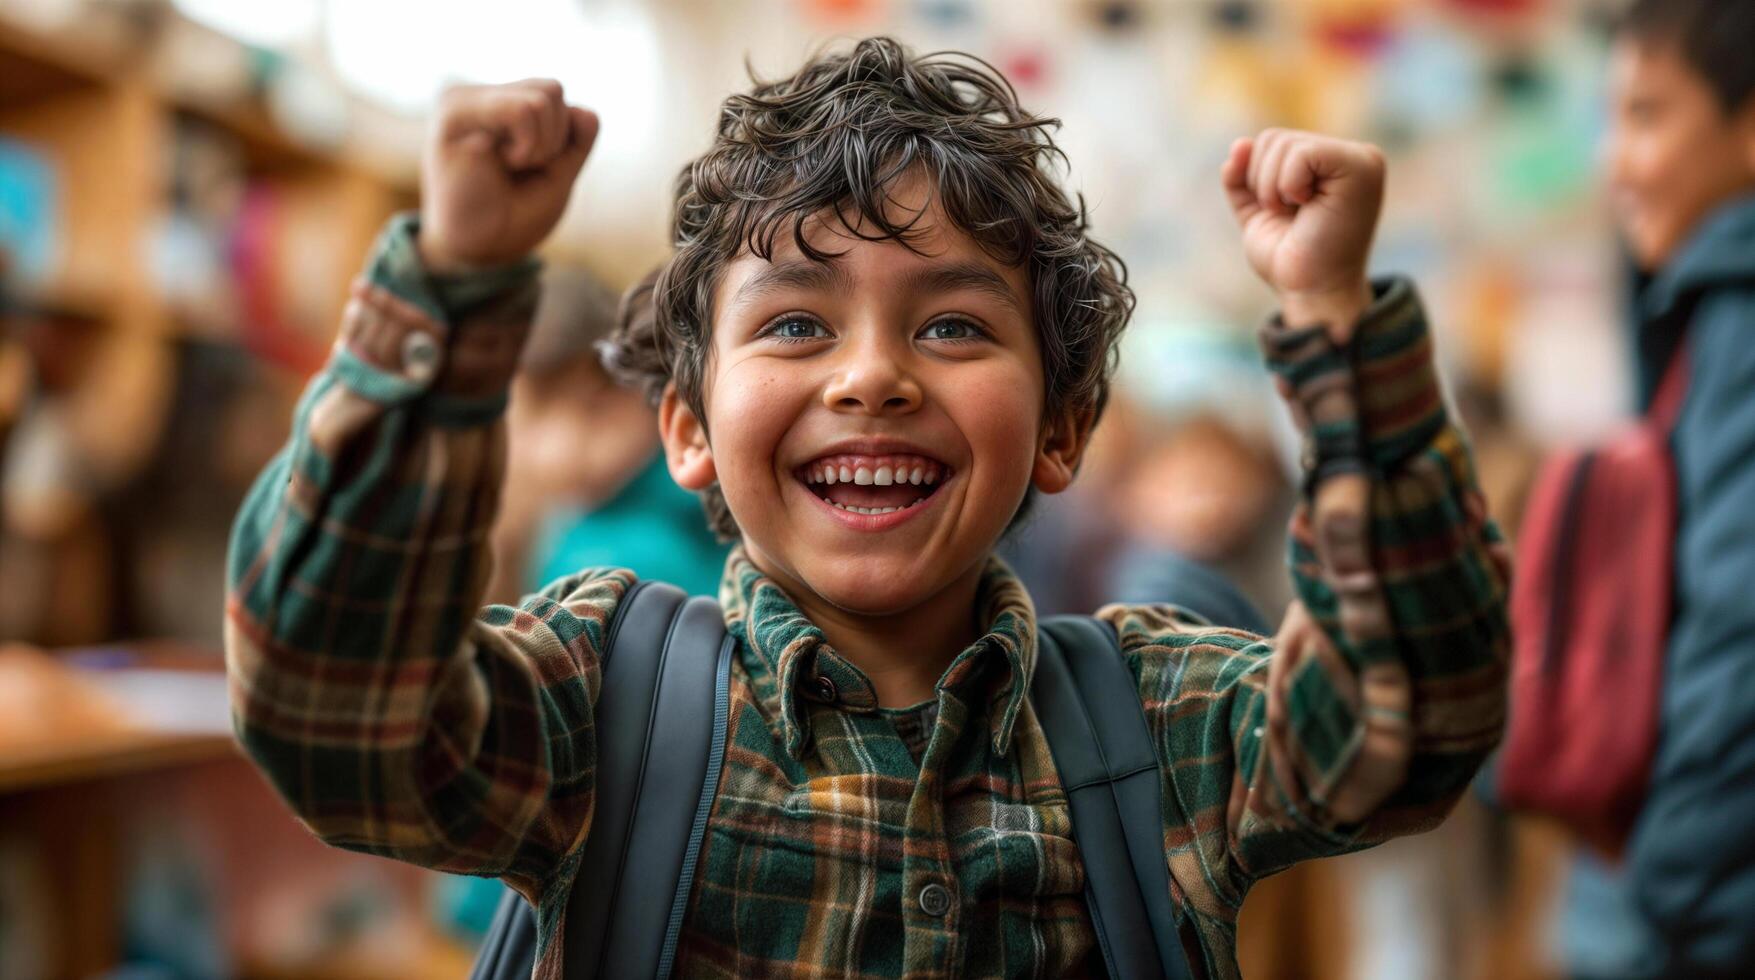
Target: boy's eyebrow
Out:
[830,276]
[795,274]
[953,276]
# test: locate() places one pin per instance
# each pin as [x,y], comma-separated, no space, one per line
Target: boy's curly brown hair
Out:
[837,136]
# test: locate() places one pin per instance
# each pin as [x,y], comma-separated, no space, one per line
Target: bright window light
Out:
[606,58]
[394,51]
[402,52]
[264,23]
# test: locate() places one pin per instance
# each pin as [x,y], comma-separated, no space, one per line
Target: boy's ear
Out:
[1062,447]
[686,451]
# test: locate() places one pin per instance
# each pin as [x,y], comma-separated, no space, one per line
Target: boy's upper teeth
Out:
[881,471]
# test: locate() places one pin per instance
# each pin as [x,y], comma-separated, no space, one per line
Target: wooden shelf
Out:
[85,763]
[266,148]
[89,301]
[86,759]
[33,67]
[91,103]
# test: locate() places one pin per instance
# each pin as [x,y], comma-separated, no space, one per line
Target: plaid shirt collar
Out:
[996,668]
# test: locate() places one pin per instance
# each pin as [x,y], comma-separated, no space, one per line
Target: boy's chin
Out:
[878,592]
[1649,242]
[871,585]
[1646,250]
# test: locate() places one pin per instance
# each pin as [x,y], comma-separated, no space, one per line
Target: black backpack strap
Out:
[672,661]
[657,739]
[508,951]
[1082,692]
[685,882]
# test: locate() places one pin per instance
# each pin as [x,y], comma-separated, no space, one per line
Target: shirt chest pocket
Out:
[1020,851]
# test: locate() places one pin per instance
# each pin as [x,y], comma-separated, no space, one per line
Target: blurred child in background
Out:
[1221,525]
[1682,174]
[586,483]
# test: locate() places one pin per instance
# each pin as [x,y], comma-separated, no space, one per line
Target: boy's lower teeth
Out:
[872,510]
[873,499]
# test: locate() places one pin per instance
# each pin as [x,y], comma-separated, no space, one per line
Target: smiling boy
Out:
[883,327]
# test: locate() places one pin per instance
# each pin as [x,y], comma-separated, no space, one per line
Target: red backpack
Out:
[1590,609]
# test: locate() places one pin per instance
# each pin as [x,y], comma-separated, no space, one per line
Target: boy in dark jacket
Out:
[1682,172]
[884,325]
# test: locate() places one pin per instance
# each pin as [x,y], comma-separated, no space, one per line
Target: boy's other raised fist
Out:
[499,164]
[1308,207]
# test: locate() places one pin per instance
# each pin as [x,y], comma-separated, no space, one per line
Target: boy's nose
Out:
[872,383]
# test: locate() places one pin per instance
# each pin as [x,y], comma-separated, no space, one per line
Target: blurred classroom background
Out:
[187,187]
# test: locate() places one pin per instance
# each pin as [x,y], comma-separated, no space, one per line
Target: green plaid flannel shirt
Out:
[398,719]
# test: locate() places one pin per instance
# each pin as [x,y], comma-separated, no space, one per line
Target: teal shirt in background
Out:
[652,526]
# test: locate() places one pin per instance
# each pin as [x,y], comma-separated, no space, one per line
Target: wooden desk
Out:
[65,718]
[87,791]
[107,757]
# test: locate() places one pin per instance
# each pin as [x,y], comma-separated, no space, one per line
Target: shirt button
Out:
[935,900]
[826,688]
[420,357]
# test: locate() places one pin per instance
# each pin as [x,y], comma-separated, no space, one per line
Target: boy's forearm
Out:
[359,559]
[391,717]
[1424,606]
[395,460]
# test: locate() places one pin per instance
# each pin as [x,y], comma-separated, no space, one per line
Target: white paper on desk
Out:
[180,702]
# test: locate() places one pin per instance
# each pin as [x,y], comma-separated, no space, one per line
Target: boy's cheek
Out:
[751,405]
[748,418]
[1001,416]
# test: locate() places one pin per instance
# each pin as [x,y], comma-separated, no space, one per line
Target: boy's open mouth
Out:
[873,485]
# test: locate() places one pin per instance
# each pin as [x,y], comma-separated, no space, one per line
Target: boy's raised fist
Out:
[499,165]
[1308,206]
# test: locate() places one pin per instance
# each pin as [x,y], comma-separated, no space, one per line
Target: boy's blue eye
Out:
[952,330]
[796,328]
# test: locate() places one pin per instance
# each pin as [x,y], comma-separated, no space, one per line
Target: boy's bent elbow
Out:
[1421,741]
[1386,744]
[282,743]
[1437,755]
[421,786]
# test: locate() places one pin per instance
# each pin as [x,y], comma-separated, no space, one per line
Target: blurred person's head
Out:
[883,327]
[577,435]
[1683,101]
[1201,489]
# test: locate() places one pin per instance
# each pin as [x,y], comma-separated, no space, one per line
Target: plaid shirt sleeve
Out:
[394,718]
[1385,689]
